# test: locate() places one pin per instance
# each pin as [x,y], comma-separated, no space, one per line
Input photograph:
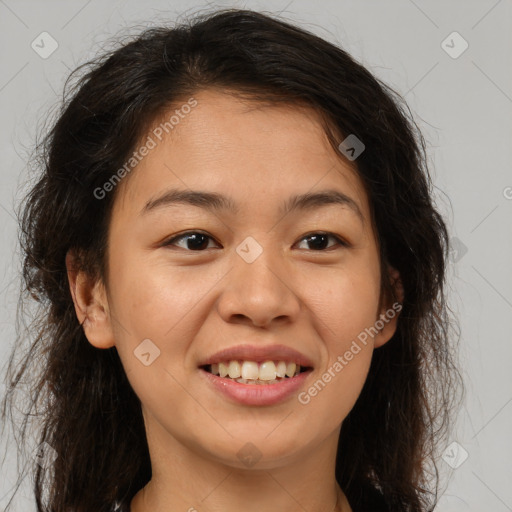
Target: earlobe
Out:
[391,307]
[91,304]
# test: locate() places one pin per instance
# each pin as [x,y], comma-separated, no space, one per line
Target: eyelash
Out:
[172,240]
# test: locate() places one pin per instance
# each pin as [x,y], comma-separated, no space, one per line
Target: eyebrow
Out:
[215,202]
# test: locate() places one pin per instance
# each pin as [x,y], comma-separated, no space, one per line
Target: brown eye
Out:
[320,241]
[193,241]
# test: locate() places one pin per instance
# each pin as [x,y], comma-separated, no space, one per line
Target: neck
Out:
[184,478]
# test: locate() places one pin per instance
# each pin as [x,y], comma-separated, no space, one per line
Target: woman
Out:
[240,271]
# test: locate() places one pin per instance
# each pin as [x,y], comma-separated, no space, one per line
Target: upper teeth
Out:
[267,370]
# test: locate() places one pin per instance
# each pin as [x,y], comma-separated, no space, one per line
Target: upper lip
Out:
[258,354]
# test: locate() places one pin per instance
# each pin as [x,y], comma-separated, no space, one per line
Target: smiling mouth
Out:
[251,372]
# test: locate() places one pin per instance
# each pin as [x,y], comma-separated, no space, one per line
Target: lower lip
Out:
[257,394]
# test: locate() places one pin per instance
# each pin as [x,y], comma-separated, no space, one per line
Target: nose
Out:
[259,293]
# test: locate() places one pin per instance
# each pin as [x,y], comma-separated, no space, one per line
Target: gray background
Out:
[463,106]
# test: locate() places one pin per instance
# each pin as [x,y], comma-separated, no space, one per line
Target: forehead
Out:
[256,153]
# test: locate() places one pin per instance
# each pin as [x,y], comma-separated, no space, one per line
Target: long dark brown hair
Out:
[80,396]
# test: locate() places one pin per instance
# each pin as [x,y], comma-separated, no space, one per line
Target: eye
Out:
[319,241]
[197,241]
[194,241]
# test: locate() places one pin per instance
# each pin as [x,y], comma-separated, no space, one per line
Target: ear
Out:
[391,305]
[91,304]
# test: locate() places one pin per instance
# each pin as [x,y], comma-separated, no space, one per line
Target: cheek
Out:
[330,397]
[344,304]
[166,306]
[156,300]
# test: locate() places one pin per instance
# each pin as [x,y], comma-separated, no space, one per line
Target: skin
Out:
[192,303]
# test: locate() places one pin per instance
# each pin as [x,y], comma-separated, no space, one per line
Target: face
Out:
[278,261]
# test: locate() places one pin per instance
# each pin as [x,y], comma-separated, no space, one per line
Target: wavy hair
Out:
[80,395]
